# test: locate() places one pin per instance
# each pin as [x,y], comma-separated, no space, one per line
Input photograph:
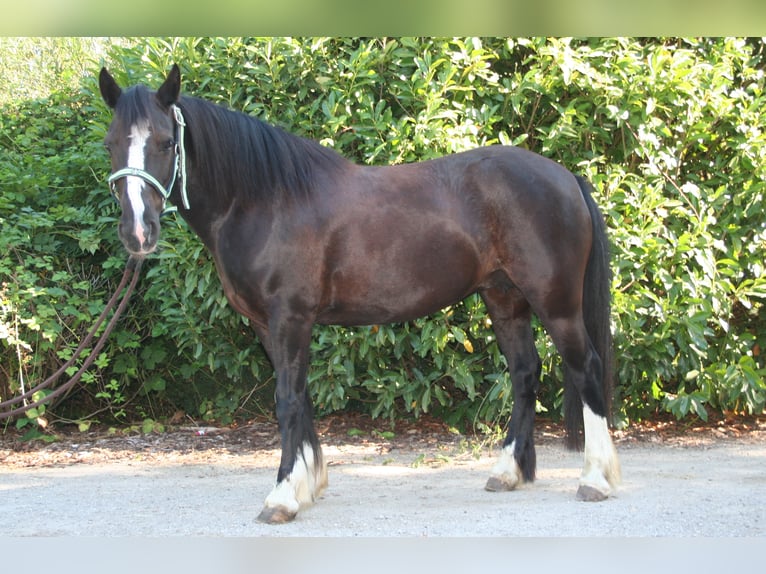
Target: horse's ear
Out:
[171,88]
[110,91]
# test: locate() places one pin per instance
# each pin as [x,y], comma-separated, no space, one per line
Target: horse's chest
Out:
[259,271]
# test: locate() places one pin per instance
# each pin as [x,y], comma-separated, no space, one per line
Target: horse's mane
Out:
[234,154]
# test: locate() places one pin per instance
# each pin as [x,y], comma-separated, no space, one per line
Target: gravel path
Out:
[422,488]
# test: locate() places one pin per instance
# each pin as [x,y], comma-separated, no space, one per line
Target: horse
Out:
[301,236]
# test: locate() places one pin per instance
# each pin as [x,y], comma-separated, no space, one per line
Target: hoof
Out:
[506,474]
[276,515]
[500,484]
[590,494]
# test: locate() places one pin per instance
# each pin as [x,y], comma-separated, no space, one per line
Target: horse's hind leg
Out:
[583,369]
[511,322]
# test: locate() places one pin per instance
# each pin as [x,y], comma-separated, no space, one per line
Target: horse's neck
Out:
[206,213]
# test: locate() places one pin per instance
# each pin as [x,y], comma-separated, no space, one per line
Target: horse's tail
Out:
[597,316]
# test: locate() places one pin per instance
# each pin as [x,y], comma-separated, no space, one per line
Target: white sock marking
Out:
[304,484]
[506,468]
[602,468]
[139,135]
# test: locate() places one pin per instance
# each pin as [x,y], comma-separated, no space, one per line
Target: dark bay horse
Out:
[301,236]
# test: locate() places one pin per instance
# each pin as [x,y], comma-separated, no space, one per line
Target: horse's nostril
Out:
[152,233]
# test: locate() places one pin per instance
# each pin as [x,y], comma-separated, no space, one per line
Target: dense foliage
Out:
[670,132]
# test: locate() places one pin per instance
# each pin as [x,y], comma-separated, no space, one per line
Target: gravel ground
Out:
[423,482]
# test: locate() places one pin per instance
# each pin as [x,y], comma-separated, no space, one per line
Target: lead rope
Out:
[133,267]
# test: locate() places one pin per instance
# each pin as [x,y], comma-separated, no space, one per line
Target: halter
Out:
[180,162]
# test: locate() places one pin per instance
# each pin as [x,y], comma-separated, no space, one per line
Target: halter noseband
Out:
[180,162]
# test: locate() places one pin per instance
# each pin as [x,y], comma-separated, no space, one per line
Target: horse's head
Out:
[144,141]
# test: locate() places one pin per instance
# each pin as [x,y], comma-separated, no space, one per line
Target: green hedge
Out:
[668,130]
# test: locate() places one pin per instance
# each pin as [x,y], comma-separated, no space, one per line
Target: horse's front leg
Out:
[302,472]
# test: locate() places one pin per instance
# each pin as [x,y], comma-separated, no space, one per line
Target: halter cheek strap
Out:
[179,163]
[181,154]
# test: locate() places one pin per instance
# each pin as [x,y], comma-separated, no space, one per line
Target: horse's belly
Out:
[380,308]
[401,281]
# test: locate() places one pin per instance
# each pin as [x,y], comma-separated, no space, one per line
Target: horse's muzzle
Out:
[139,239]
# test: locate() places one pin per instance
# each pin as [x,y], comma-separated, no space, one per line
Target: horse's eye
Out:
[169,144]
[108,147]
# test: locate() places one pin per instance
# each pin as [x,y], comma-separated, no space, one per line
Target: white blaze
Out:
[139,134]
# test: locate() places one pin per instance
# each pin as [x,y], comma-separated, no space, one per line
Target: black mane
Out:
[233,154]
[237,154]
